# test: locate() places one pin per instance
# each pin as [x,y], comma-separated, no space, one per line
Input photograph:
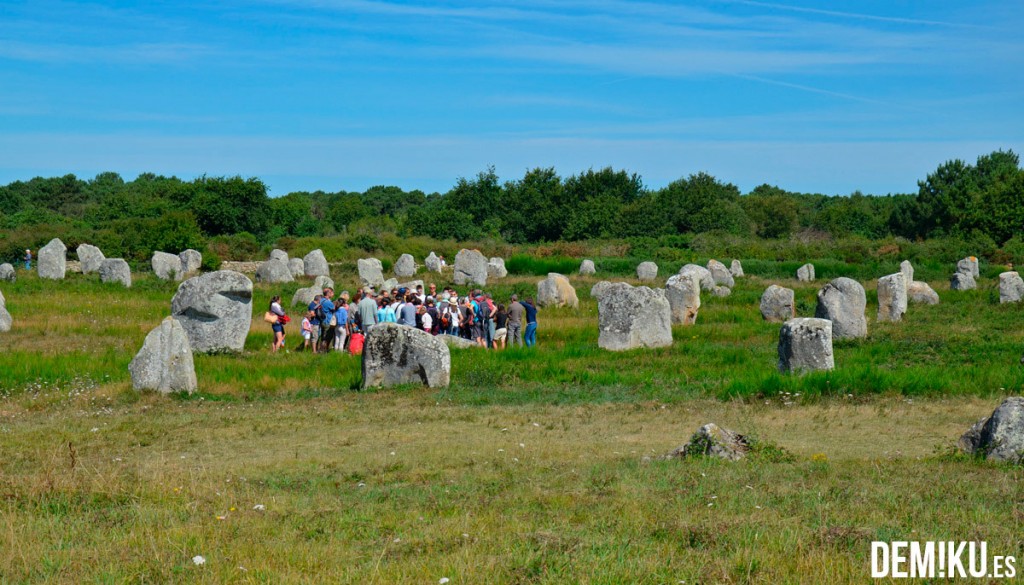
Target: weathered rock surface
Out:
[922,293]
[433,263]
[52,261]
[805,273]
[496,268]
[598,289]
[736,269]
[631,317]
[7,273]
[456,342]
[587,267]
[1011,287]
[315,264]
[164,363]
[999,437]
[720,274]
[405,266]
[371,272]
[721,292]
[843,302]
[394,354]
[278,254]
[892,298]
[216,310]
[683,294]
[556,291]
[274,271]
[908,273]
[778,304]
[806,345]
[6,321]
[968,265]
[116,270]
[297,267]
[962,281]
[647,271]
[470,267]
[712,440]
[304,296]
[89,257]
[191,261]
[167,266]
[707,282]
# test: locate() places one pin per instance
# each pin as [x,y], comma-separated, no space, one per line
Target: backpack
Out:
[318,312]
[482,310]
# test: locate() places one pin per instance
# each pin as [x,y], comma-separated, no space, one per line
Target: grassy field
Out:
[535,466]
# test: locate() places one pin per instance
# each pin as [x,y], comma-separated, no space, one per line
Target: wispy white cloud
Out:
[856,15]
[140,53]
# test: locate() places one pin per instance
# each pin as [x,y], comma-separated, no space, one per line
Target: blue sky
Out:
[825,97]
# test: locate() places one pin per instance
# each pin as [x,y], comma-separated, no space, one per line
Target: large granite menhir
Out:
[52,262]
[806,345]
[470,267]
[216,311]
[843,302]
[631,317]
[164,363]
[395,354]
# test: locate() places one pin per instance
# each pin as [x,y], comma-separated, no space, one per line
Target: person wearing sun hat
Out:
[28,259]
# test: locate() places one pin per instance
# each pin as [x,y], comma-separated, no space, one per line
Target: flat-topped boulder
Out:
[922,293]
[805,273]
[116,270]
[1011,287]
[496,268]
[806,345]
[587,268]
[843,301]
[736,269]
[395,354]
[315,264]
[455,342]
[633,317]
[721,292]
[720,274]
[164,363]
[304,296]
[167,266]
[778,304]
[962,281]
[405,266]
[968,265]
[556,291]
[707,282]
[274,271]
[191,261]
[216,310]
[89,257]
[892,298]
[52,260]
[647,271]
[1000,436]
[683,294]
[470,267]
[7,273]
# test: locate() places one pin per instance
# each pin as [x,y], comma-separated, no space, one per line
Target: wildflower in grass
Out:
[819,458]
[443,580]
[259,507]
[199,560]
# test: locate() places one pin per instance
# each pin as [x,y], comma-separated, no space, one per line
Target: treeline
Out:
[982,201]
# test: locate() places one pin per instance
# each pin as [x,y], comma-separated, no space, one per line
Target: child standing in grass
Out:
[307,330]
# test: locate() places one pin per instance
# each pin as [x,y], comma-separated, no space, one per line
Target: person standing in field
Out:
[367,311]
[28,259]
[314,322]
[278,325]
[327,326]
[516,312]
[501,324]
[530,337]
[307,330]
[341,327]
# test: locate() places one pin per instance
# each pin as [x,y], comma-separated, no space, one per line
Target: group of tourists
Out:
[338,324]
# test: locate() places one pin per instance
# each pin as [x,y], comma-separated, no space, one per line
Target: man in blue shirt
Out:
[314,322]
[530,336]
[326,329]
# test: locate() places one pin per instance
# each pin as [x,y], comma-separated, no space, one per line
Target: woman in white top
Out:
[277,326]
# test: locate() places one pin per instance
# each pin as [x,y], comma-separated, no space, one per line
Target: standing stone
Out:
[394,354]
[116,270]
[315,264]
[6,321]
[371,272]
[167,266]
[922,293]
[999,437]
[90,257]
[405,266]
[165,361]
[556,291]
[470,267]
[191,261]
[277,254]
[968,265]
[806,345]
[7,273]
[598,289]
[304,296]
[496,268]
[274,271]
[587,267]
[720,274]
[721,292]
[53,260]
[778,304]
[647,271]
[1011,287]
[215,309]
[908,273]
[736,269]
[683,294]
[962,281]
[433,263]
[297,267]
[707,282]
[843,302]
[805,273]
[892,298]
[713,441]
[631,317]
